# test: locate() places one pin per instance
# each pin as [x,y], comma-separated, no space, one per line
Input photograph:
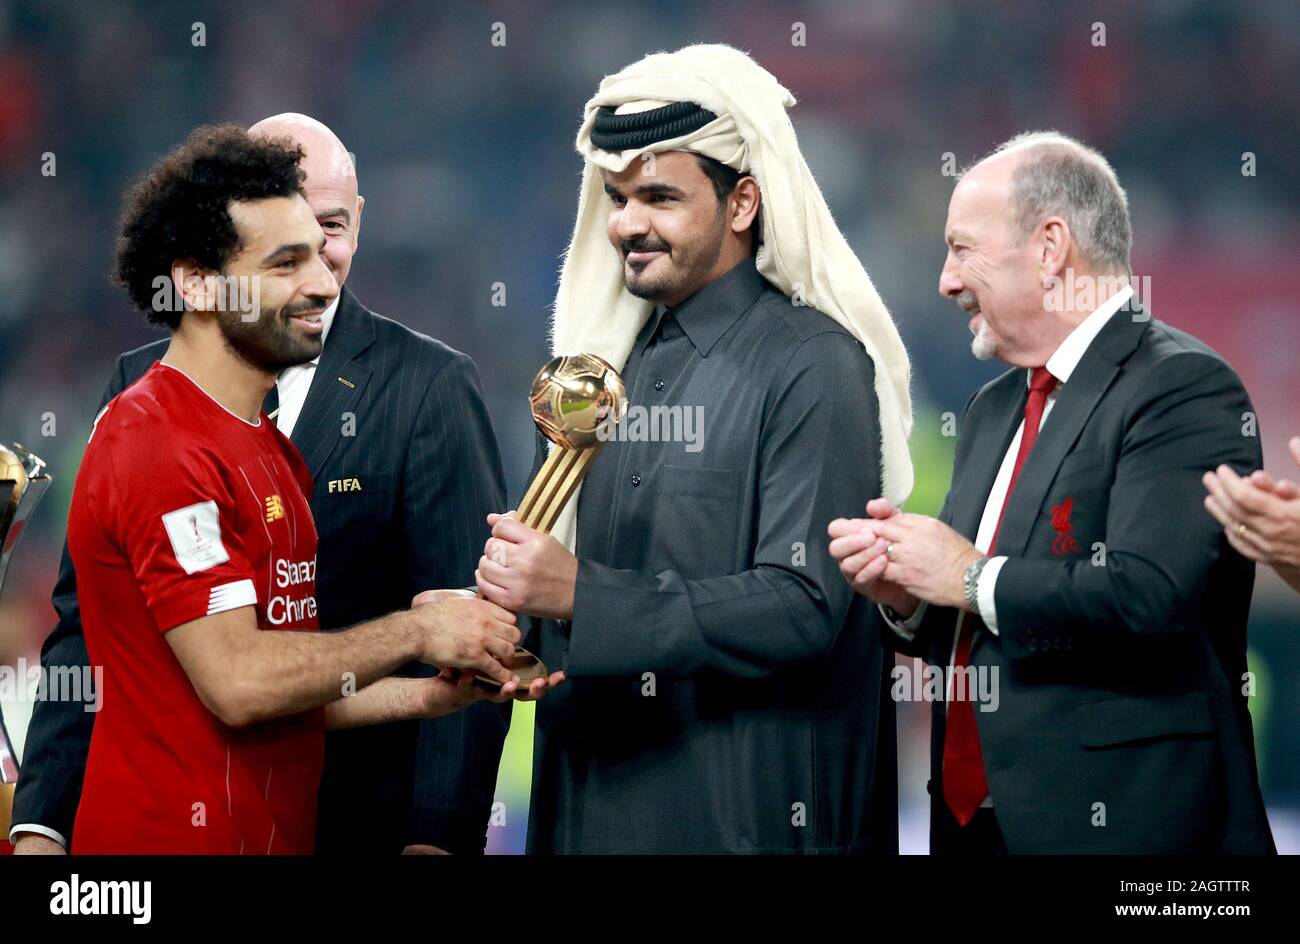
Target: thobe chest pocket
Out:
[697,521]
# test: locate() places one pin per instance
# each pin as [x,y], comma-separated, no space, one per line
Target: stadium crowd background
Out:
[465,156]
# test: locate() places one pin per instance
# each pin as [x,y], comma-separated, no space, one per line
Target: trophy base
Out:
[524,664]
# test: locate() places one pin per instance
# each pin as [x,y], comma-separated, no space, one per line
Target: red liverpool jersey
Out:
[181,510]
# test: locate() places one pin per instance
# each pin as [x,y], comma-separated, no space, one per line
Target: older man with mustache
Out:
[1072,565]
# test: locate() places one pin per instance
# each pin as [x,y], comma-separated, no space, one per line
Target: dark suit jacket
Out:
[399,419]
[1121,615]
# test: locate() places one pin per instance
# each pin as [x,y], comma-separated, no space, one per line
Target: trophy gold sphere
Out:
[577,399]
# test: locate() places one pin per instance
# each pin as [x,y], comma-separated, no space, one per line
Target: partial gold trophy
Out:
[23,482]
[576,402]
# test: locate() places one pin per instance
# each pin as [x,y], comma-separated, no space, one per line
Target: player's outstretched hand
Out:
[534,690]
[461,632]
[451,690]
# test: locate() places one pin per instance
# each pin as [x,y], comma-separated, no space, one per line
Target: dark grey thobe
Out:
[727,692]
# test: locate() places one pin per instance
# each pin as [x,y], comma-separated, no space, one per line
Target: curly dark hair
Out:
[180,208]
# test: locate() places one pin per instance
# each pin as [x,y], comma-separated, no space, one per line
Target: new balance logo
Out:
[274,509]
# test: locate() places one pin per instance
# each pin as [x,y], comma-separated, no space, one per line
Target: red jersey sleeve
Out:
[177,520]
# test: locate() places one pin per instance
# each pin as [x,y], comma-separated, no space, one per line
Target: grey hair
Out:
[1060,176]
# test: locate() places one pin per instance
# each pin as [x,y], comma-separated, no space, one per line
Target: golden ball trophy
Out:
[23,482]
[576,401]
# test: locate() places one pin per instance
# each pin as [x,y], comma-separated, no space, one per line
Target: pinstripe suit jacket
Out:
[400,445]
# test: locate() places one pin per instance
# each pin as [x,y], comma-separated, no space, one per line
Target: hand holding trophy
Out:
[576,401]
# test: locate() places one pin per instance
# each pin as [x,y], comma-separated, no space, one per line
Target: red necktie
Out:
[964,786]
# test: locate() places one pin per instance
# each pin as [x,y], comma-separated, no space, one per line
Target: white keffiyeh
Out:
[803,250]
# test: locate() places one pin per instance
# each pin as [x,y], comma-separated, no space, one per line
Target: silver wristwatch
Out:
[971,584]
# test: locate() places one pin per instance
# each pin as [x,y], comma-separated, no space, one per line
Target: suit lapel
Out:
[1074,405]
[336,388]
[980,470]
[981,467]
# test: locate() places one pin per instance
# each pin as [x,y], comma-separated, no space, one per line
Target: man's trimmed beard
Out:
[985,343]
[689,264]
[268,342]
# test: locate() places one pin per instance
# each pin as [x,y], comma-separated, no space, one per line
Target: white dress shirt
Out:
[294,382]
[1061,365]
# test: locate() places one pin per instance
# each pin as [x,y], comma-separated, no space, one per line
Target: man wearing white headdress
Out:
[726,691]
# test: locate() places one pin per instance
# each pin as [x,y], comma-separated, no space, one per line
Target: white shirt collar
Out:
[1066,358]
[326,319]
